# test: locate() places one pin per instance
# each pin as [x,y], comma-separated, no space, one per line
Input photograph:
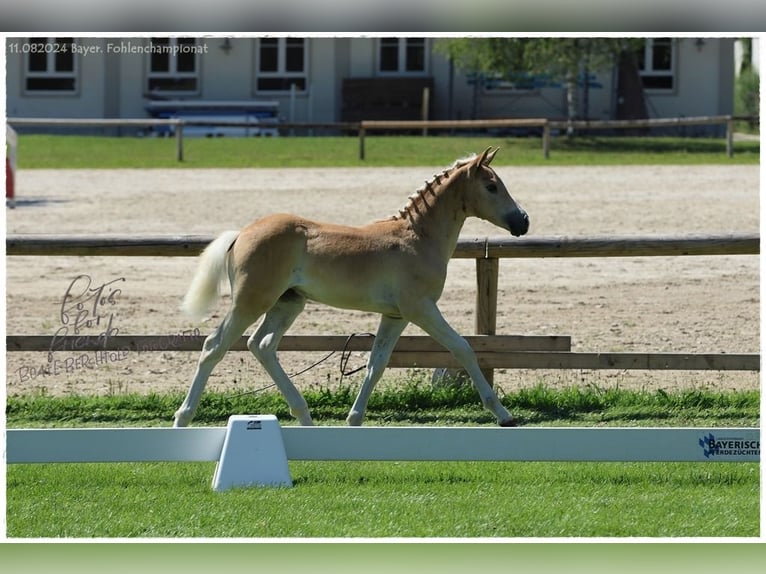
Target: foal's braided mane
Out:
[418,199]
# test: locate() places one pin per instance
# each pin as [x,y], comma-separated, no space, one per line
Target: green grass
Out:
[92,152]
[389,499]
[411,401]
[376,499]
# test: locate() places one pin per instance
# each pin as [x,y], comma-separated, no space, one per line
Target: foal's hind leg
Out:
[264,342]
[214,349]
[388,334]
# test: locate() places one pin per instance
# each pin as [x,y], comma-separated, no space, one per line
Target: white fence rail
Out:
[88,445]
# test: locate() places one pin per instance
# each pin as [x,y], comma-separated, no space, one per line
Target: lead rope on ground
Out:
[344,358]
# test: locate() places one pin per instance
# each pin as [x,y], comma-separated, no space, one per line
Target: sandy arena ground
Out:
[681,304]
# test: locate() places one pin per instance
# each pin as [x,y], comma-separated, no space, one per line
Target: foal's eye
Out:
[492,188]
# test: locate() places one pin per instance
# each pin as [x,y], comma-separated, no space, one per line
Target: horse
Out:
[394,267]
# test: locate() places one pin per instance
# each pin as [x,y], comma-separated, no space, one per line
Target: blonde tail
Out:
[205,288]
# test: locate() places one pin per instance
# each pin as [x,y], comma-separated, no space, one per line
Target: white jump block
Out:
[253,454]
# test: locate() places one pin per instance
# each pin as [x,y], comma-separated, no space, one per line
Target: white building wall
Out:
[324,81]
[132,80]
[227,75]
[88,100]
[362,58]
[701,89]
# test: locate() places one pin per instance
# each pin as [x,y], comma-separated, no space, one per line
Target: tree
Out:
[559,59]
[747,87]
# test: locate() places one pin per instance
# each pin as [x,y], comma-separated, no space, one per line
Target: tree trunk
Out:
[631,104]
[571,94]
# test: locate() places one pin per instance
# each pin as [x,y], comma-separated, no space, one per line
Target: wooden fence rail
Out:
[493,351]
[547,126]
[193,342]
[467,247]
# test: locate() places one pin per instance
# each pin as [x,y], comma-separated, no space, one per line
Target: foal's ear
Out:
[486,156]
[480,160]
[490,156]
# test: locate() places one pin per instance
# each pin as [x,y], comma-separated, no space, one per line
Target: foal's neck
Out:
[440,214]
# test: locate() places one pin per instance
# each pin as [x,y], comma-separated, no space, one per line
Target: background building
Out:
[327,80]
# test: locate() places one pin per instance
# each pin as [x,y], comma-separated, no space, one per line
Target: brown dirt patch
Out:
[681,304]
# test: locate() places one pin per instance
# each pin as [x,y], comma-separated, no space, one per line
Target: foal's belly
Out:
[349,297]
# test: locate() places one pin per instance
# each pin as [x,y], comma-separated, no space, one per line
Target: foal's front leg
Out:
[426,315]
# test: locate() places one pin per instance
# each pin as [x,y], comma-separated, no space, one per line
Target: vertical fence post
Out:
[729,137]
[546,140]
[361,141]
[486,301]
[180,141]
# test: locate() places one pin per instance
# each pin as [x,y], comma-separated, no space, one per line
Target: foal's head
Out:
[486,196]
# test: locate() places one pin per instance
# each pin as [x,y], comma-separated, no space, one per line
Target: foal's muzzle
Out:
[518,222]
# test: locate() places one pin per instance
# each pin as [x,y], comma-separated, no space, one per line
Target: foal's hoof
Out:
[180,420]
[354,419]
[511,422]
